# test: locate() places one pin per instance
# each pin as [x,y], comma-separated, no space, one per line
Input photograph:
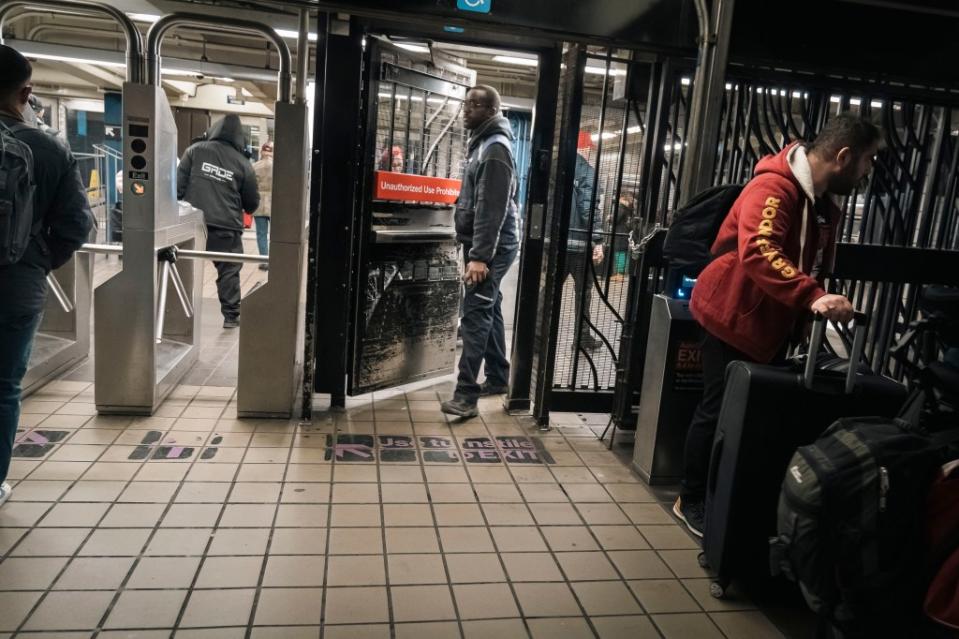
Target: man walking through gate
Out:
[216,177]
[487,225]
[772,253]
[44,218]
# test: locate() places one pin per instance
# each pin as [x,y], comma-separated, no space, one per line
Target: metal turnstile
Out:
[672,387]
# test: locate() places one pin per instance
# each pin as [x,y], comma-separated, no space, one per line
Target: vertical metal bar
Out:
[409,122]
[423,134]
[161,301]
[610,261]
[59,293]
[302,55]
[181,292]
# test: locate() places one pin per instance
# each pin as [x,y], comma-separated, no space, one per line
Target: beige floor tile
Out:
[205,633]
[411,541]
[347,515]
[475,568]
[569,628]
[587,493]
[309,473]
[118,542]
[543,493]
[239,541]
[367,570]
[407,515]
[422,603]
[602,514]
[414,493]
[29,490]
[179,541]
[15,607]
[648,514]
[190,515]
[400,474]
[433,630]
[507,515]
[574,475]
[285,632]
[640,564]
[752,624]
[532,474]
[569,538]
[148,492]
[485,601]
[10,536]
[90,490]
[606,598]
[69,515]
[356,493]
[631,627]
[733,600]
[133,516]
[497,493]
[546,600]
[302,515]
[518,539]
[255,493]
[458,515]
[164,572]
[363,631]
[289,571]
[531,567]
[25,514]
[620,538]
[555,514]
[30,573]
[416,569]
[670,537]
[230,572]
[465,539]
[86,610]
[55,542]
[95,573]
[495,629]
[293,606]
[201,492]
[106,471]
[212,472]
[451,493]
[663,596]
[684,626]
[632,492]
[247,515]
[586,566]
[497,475]
[299,541]
[252,472]
[346,473]
[685,563]
[356,541]
[161,472]
[356,605]
[60,471]
[211,608]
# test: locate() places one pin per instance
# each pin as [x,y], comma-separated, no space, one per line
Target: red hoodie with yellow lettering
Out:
[758,286]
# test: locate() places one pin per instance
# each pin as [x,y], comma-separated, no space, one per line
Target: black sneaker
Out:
[459,408]
[691,513]
[487,389]
[231,322]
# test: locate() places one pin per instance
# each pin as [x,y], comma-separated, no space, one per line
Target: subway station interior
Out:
[296,476]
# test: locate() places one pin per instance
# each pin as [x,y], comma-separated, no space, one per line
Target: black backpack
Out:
[17,190]
[695,226]
[850,524]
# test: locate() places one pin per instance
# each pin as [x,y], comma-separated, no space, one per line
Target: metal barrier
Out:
[63,339]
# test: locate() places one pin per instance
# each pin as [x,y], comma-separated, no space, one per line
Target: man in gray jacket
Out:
[216,177]
[487,225]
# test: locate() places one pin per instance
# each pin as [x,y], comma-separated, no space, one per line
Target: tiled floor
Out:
[383,521]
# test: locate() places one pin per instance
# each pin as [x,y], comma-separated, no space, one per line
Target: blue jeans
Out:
[262,234]
[16,341]
[483,330]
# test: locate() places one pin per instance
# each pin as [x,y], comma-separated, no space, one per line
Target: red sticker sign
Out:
[405,187]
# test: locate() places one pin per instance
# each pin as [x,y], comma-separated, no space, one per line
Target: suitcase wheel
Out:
[703,562]
[718,588]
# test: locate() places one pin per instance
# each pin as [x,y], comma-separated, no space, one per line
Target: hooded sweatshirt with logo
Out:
[768,248]
[486,211]
[215,176]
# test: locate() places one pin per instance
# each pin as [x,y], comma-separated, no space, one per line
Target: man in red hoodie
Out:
[771,255]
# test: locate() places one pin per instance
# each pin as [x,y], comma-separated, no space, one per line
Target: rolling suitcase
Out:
[768,412]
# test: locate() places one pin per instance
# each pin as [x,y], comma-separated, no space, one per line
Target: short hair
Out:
[490,92]
[15,71]
[846,130]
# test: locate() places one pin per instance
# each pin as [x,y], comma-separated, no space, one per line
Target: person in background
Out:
[61,223]
[584,239]
[392,160]
[620,231]
[263,169]
[216,177]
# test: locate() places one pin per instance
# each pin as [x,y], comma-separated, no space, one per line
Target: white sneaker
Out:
[5,490]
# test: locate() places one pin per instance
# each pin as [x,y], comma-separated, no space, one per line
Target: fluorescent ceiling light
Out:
[602,71]
[685,82]
[729,87]
[835,99]
[416,48]
[855,101]
[512,59]
[876,104]
[93,106]
[64,58]
[293,35]
[634,129]
[606,136]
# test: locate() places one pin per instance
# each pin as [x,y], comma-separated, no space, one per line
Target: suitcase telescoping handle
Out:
[815,342]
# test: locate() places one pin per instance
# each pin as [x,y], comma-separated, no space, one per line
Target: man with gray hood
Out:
[216,177]
[487,224]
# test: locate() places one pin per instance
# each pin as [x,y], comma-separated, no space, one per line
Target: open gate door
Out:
[405,292]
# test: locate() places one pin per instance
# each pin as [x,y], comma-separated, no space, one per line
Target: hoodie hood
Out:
[228,130]
[790,163]
[496,124]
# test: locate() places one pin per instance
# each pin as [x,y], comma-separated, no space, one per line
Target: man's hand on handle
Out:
[833,307]
[597,254]
[476,272]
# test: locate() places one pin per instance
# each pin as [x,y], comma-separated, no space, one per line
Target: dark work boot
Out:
[459,408]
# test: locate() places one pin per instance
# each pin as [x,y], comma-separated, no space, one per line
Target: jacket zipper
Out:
[883,487]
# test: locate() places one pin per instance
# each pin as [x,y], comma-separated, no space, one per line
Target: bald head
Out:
[482,104]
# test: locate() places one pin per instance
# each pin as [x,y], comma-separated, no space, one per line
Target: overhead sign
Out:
[478,6]
[405,187]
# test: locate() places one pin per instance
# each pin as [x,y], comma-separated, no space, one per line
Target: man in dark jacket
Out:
[487,225]
[62,222]
[584,244]
[772,253]
[217,178]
